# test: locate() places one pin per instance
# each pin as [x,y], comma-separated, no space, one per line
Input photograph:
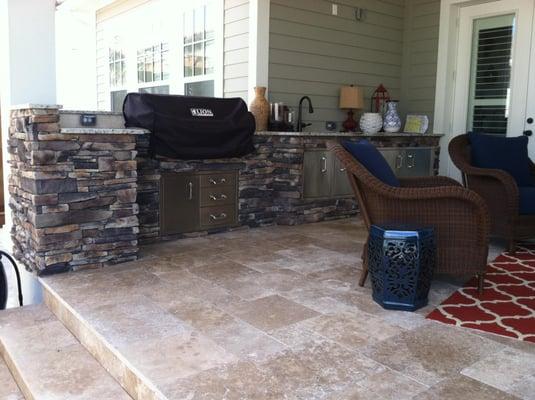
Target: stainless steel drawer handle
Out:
[399,161]
[323,164]
[410,161]
[190,188]
[218,217]
[214,182]
[222,196]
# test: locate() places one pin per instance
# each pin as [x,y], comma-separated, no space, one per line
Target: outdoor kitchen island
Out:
[88,196]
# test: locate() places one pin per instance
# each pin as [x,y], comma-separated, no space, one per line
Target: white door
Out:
[494,85]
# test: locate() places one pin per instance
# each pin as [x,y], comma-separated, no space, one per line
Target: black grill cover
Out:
[187,128]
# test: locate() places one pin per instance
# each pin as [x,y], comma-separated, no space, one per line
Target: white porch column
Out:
[258,45]
[27,62]
[27,75]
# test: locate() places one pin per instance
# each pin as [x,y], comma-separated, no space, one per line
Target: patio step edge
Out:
[46,361]
[130,378]
[15,372]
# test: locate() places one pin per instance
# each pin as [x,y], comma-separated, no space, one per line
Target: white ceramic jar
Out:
[371,122]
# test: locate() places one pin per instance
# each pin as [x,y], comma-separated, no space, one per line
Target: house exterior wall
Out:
[313,52]
[420,53]
[236,49]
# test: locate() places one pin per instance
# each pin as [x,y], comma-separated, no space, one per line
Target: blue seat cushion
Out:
[527,200]
[507,154]
[368,155]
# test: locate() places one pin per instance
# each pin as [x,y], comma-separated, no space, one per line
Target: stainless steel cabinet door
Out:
[179,203]
[341,185]
[394,157]
[417,162]
[317,170]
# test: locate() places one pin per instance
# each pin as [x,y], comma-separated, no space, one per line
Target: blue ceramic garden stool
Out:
[401,260]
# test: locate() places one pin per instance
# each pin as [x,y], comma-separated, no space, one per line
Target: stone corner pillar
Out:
[72,193]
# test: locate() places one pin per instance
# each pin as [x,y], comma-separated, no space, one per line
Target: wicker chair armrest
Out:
[497,184]
[460,216]
[428,181]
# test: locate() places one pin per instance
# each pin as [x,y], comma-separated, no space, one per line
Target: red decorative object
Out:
[379,99]
[507,306]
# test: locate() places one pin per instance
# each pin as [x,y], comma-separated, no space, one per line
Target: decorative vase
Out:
[259,107]
[392,122]
[371,122]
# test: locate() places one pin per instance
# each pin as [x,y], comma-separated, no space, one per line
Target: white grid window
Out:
[153,63]
[199,51]
[117,63]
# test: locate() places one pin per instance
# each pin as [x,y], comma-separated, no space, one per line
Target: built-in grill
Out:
[187,128]
[192,128]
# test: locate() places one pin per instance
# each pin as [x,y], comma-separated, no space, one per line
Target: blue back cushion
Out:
[507,154]
[368,155]
[527,200]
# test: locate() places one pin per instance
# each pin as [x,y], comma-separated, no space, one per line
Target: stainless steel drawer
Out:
[214,180]
[218,195]
[213,217]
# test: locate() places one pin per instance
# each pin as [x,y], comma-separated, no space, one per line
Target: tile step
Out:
[46,360]
[137,385]
[8,388]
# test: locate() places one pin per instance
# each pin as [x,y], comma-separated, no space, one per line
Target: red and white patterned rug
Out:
[507,306]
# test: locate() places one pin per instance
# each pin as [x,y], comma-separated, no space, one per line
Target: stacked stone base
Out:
[72,193]
[270,185]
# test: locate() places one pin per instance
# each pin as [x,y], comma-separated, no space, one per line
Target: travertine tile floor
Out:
[276,313]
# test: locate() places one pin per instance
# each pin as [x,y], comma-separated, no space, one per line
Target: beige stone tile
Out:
[309,259]
[319,371]
[352,331]
[461,387]
[8,388]
[510,370]
[234,277]
[283,280]
[391,385]
[125,323]
[296,335]
[246,342]
[335,242]
[236,381]
[181,283]
[165,360]
[431,352]
[321,300]
[272,312]
[345,277]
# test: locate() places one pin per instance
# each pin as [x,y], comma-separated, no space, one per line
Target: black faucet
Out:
[300,123]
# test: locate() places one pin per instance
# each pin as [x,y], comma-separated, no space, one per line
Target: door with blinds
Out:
[494,69]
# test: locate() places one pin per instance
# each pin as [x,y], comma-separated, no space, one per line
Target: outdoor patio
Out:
[268,313]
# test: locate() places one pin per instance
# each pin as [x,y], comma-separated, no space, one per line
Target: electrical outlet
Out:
[88,119]
[330,125]
[335,9]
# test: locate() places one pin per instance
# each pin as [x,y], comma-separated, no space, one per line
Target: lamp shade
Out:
[351,97]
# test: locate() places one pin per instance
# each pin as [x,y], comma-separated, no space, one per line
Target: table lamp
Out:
[351,98]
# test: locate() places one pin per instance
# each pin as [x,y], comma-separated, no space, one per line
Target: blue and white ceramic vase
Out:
[392,122]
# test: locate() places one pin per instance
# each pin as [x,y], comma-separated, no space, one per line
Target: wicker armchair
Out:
[459,216]
[499,190]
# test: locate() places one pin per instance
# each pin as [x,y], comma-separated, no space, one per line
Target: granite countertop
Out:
[104,131]
[348,134]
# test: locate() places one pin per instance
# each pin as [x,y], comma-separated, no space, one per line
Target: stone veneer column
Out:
[73,193]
